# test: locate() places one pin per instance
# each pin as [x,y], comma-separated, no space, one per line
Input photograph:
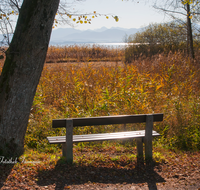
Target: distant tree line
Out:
[159,38]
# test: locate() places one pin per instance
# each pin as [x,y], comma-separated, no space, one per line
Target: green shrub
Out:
[156,38]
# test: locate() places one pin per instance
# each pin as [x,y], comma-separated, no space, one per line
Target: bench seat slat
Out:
[101,136]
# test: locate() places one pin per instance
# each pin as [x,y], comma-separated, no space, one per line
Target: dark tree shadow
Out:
[77,174]
[5,170]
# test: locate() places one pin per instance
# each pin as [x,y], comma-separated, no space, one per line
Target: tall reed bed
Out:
[86,53]
[163,84]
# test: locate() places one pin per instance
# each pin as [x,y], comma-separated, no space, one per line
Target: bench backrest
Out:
[107,120]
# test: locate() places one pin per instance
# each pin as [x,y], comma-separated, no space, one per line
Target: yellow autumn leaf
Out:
[107,17]
[95,12]
[74,19]
[116,18]
[85,21]
[81,22]
[92,16]
[158,87]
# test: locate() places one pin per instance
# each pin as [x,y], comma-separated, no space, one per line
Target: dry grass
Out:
[83,53]
[163,84]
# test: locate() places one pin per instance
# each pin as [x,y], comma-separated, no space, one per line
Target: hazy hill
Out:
[102,35]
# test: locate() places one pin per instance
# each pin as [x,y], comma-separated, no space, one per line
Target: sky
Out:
[132,14]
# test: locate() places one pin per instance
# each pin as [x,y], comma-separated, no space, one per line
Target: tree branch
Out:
[167,10]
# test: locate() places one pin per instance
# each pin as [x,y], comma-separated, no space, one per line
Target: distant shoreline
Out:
[112,45]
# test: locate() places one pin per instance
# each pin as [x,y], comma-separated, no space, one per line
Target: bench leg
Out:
[139,147]
[67,148]
[148,138]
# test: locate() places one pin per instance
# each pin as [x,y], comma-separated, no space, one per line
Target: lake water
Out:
[109,45]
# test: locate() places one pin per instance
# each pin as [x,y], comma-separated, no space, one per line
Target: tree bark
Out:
[22,70]
[189,34]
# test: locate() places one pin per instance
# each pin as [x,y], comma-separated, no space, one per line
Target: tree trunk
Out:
[189,33]
[22,70]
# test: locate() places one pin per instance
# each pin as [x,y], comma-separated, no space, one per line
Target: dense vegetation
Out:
[160,38]
[83,54]
[166,84]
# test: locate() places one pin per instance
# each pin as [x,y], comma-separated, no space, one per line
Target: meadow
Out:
[166,84]
[104,85]
[96,81]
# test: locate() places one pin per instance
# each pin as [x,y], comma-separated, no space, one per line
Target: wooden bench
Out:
[140,136]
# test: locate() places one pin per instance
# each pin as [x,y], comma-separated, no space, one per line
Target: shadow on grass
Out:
[64,175]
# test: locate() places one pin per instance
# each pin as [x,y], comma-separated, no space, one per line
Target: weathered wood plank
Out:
[101,136]
[106,120]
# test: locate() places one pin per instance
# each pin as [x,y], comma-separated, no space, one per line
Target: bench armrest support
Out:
[148,137]
[67,147]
